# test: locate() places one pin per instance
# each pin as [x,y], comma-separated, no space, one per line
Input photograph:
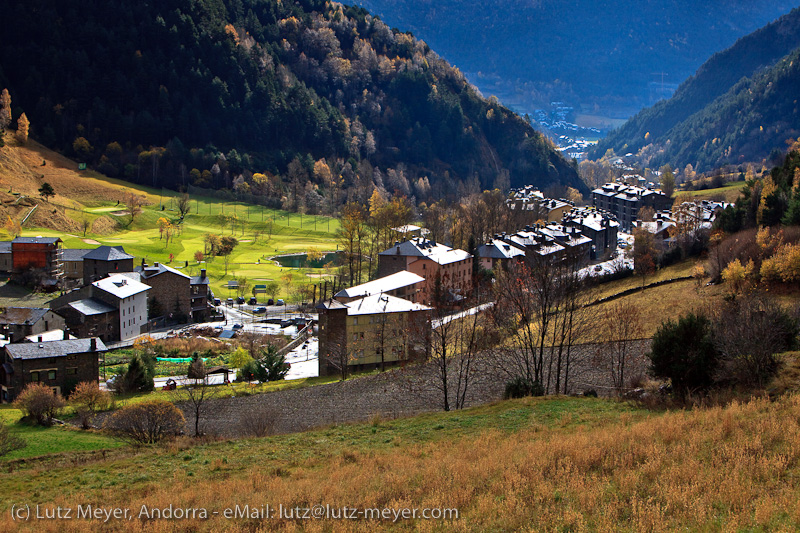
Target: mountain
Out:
[611,57]
[208,92]
[739,106]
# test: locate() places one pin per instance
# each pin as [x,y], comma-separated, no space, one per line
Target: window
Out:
[34,376]
[51,374]
[72,371]
[355,320]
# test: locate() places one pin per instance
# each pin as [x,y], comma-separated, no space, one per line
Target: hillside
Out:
[607,56]
[210,92]
[530,464]
[739,106]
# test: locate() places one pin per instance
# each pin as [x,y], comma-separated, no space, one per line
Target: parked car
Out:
[270,302]
[240,300]
[229,301]
[217,301]
[259,310]
[280,302]
[237,326]
[252,301]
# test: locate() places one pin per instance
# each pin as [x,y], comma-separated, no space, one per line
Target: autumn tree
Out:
[88,399]
[644,253]
[38,401]
[5,110]
[243,285]
[22,128]
[162,225]
[226,247]
[667,181]
[148,422]
[133,205]
[12,227]
[351,235]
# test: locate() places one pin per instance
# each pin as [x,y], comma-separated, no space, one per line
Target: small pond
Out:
[301,260]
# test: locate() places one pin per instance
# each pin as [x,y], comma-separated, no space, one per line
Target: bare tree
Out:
[184,205]
[133,205]
[618,327]
[196,394]
[452,342]
[337,354]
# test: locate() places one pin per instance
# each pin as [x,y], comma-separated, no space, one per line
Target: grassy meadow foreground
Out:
[541,464]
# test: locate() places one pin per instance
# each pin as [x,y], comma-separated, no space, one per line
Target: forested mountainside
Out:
[609,53]
[739,106]
[310,93]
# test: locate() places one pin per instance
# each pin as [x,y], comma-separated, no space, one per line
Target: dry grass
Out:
[716,469]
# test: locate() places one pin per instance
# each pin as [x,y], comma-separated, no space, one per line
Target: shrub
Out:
[269,367]
[748,333]
[9,442]
[147,422]
[88,399]
[257,423]
[39,401]
[684,353]
[520,387]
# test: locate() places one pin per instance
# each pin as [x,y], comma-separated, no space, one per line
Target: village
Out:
[105,299]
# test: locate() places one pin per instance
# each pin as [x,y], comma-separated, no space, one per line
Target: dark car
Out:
[237,326]
[240,300]
[270,302]
[217,301]
[252,301]
[259,310]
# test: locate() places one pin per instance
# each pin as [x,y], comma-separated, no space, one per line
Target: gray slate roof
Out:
[5,247]
[36,240]
[155,269]
[38,350]
[22,315]
[74,254]
[108,253]
[90,306]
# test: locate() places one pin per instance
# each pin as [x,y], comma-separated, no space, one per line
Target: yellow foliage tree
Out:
[22,128]
[737,274]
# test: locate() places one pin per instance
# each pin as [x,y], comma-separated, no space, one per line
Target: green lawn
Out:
[281,233]
[55,439]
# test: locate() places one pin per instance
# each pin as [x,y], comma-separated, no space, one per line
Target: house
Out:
[92,318]
[58,364]
[129,297]
[624,201]
[104,261]
[38,255]
[52,335]
[531,200]
[72,258]
[403,284]
[661,226]
[16,323]
[201,307]
[370,331]
[6,258]
[499,253]
[600,226]
[429,260]
[170,291]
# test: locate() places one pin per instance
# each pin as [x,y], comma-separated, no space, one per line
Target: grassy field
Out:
[88,194]
[56,439]
[728,193]
[565,464]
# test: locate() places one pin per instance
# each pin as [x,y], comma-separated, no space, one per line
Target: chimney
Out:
[155,264]
[66,335]
[40,338]
[143,263]
[202,273]
[93,344]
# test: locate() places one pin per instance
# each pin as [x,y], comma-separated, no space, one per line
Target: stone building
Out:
[170,292]
[58,364]
[105,261]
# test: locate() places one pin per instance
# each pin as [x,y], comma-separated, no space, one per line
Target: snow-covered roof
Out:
[424,248]
[385,284]
[382,303]
[497,249]
[121,286]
